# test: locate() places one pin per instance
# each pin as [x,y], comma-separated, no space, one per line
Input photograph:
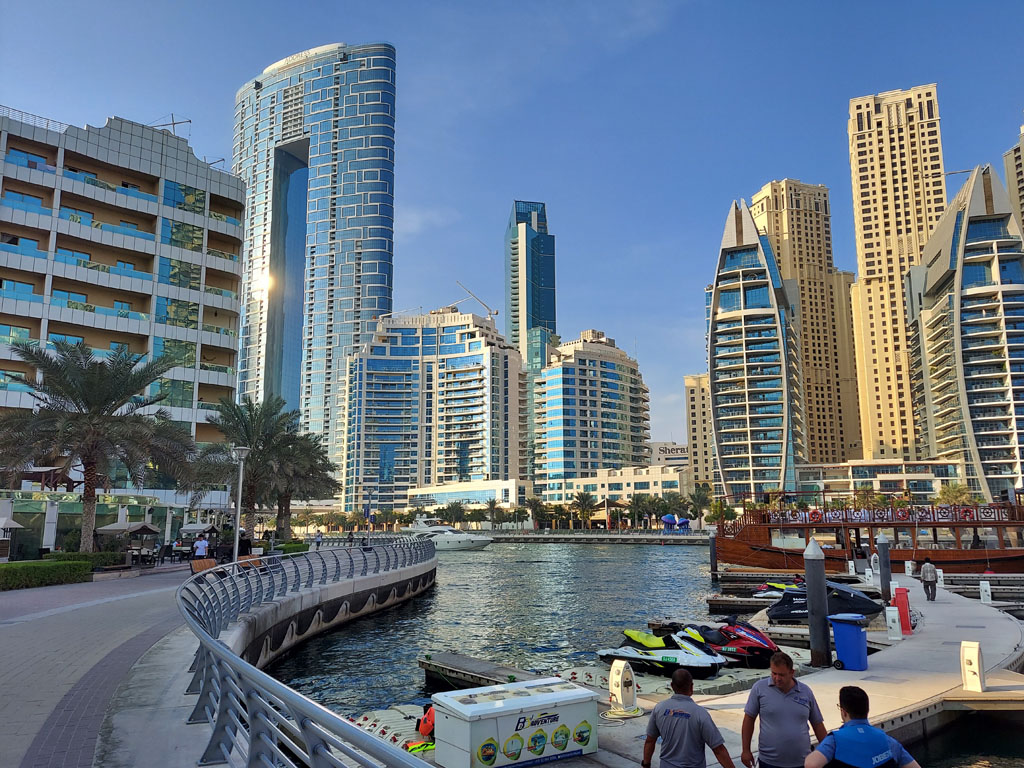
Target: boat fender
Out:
[419,746]
[425,725]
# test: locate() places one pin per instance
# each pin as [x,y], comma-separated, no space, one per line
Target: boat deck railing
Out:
[265,720]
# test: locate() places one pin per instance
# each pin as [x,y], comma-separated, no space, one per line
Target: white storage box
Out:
[535,721]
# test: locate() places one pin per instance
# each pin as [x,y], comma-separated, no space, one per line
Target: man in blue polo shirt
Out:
[857,744]
[785,706]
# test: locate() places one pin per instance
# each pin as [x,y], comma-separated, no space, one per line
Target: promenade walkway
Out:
[64,651]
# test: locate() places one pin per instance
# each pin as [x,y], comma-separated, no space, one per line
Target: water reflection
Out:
[541,607]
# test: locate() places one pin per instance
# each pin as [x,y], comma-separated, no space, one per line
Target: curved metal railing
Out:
[268,722]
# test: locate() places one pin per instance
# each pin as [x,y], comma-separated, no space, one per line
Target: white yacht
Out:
[445,537]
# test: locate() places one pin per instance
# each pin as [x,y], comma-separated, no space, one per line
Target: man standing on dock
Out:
[857,743]
[685,728]
[929,578]
[785,706]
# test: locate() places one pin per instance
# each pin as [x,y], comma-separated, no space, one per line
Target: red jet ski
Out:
[742,643]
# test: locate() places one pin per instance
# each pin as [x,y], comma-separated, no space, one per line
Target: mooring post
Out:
[817,605]
[713,542]
[884,566]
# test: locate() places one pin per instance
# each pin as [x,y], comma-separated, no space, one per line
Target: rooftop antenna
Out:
[173,124]
[490,312]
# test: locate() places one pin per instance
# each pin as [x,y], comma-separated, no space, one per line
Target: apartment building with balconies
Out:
[119,236]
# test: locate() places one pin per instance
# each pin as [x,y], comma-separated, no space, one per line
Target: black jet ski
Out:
[664,655]
[792,606]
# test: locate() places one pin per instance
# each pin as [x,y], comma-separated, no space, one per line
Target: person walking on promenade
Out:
[929,578]
[685,728]
[857,743]
[244,543]
[351,538]
[319,538]
[200,547]
[785,706]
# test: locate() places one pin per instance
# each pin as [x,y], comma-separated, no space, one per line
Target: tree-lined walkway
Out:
[64,652]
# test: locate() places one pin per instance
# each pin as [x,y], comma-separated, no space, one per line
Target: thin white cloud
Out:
[412,220]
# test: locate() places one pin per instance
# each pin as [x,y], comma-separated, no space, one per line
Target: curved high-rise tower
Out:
[754,365]
[965,308]
[314,141]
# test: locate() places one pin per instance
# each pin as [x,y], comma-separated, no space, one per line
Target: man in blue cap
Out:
[858,744]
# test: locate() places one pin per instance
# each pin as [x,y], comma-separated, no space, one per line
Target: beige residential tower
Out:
[796,217]
[899,193]
[698,427]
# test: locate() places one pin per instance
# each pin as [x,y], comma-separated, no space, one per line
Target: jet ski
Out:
[664,655]
[792,606]
[741,643]
[777,588]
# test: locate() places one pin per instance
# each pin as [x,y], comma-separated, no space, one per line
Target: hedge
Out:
[293,546]
[43,573]
[97,559]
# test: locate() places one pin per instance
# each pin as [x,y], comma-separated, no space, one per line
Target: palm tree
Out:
[720,512]
[90,414]
[454,511]
[267,430]
[639,507]
[677,504]
[955,494]
[700,499]
[538,510]
[305,473]
[585,505]
[493,509]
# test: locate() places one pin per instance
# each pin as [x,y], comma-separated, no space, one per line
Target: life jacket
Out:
[426,724]
[859,745]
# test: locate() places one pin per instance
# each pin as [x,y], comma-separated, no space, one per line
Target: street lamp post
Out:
[239,452]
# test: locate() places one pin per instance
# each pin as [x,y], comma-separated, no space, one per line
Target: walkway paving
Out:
[147,715]
[65,650]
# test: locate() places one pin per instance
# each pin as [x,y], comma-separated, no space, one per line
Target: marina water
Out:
[541,607]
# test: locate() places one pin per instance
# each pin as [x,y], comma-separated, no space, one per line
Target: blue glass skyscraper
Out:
[530,300]
[314,141]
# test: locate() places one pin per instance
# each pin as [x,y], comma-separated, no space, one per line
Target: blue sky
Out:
[636,122]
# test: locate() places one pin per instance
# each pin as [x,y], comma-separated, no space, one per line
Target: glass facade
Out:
[755,400]
[966,318]
[592,412]
[417,412]
[314,141]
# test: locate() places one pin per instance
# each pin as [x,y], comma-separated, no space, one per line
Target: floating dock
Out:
[565,537]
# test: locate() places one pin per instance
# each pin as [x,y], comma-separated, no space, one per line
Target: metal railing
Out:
[267,721]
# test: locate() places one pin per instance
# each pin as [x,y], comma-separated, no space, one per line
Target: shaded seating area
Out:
[140,540]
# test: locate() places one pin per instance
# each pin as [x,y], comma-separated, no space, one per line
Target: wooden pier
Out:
[595,537]
[454,670]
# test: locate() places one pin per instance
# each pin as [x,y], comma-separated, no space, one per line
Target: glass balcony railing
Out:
[14,386]
[86,219]
[221,292]
[123,271]
[106,311]
[25,162]
[22,250]
[93,181]
[224,217]
[215,368]
[20,205]
[207,406]
[222,254]
[217,329]
[21,295]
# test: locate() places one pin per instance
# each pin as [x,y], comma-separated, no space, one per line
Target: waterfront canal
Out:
[542,607]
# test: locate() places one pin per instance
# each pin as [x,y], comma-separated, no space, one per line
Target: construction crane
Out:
[490,312]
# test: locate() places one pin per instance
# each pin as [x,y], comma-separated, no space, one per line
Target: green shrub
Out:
[42,573]
[293,546]
[97,559]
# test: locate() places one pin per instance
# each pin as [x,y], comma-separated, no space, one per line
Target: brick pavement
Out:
[65,650]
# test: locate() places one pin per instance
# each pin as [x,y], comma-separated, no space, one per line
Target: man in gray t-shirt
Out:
[785,707]
[685,729]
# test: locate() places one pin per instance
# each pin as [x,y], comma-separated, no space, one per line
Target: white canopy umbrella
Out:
[197,528]
[8,524]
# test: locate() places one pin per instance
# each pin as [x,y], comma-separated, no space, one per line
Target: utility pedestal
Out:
[884,566]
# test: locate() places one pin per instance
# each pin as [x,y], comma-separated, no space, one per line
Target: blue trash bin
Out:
[851,635]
